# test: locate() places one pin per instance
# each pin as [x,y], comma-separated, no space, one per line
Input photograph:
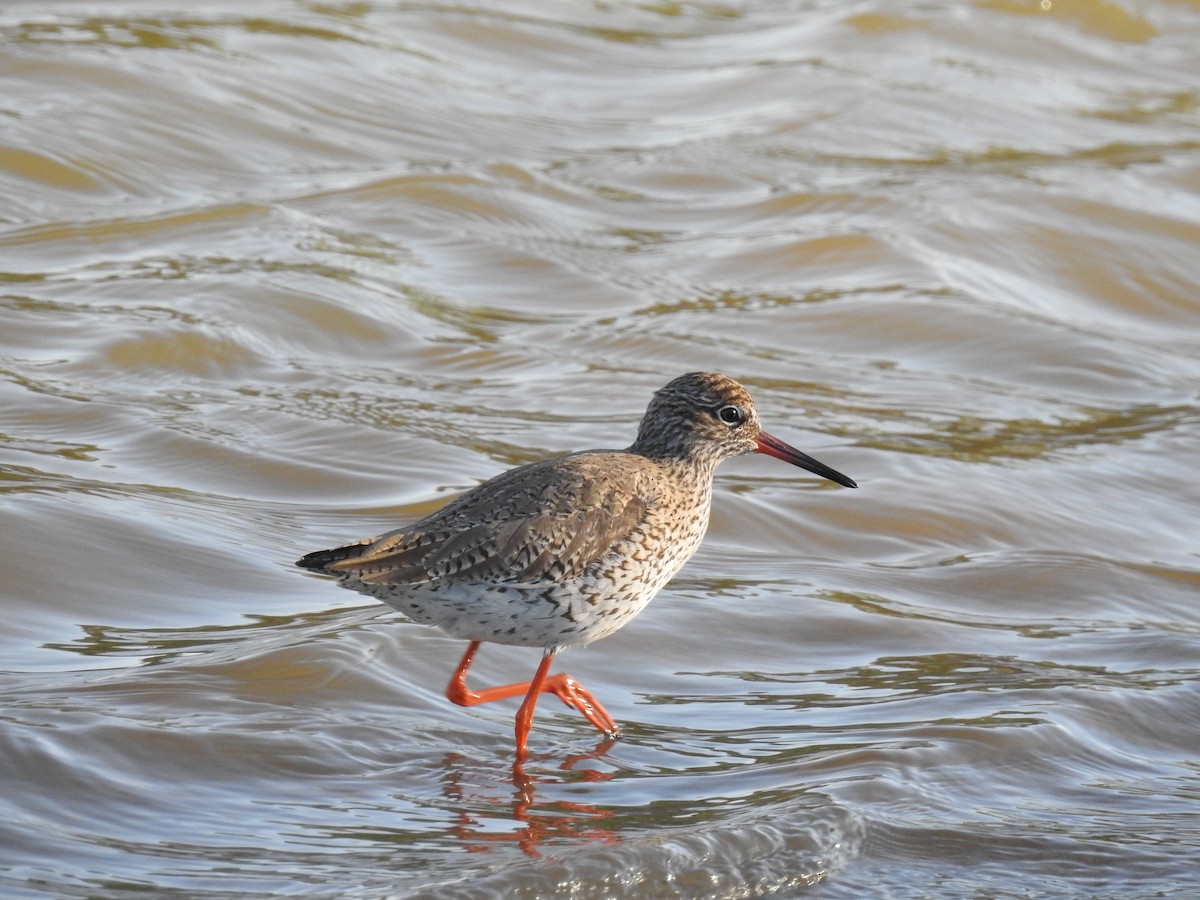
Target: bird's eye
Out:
[731,416]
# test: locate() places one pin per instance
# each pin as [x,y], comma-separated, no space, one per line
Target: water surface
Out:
[283,277]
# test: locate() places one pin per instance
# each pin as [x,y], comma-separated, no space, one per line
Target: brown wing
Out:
[548,520]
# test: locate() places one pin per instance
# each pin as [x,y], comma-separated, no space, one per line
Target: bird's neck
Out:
[691,475]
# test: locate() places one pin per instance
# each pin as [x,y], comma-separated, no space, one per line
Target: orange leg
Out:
[563,686]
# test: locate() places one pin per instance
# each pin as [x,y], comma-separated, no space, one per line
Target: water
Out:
[282,277]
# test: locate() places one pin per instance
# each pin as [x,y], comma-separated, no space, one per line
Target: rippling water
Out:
[280,275]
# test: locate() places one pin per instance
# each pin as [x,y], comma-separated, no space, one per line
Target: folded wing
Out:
[519,528]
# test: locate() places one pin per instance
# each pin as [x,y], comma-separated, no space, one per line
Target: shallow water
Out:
[279,279]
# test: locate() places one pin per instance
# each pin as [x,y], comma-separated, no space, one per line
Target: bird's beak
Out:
[773,446]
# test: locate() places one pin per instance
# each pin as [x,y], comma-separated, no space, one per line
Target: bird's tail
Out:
[320,560]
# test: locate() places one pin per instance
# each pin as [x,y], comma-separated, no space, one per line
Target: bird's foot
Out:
[575,695]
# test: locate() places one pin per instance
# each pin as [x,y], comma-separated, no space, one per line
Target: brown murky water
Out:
[279,276]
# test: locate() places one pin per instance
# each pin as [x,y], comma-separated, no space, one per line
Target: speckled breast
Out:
[559,614]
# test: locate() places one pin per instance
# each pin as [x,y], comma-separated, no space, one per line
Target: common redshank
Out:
[563,552]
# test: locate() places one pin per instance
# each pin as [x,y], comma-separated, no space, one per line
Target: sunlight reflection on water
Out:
[271,282]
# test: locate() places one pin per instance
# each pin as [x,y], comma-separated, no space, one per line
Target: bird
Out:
[559,553]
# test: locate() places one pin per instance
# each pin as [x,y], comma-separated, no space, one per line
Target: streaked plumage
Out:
[563,552]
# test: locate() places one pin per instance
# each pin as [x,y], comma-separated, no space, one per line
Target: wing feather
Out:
[545,521]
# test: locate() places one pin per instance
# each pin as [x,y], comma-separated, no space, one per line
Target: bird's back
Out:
[557,552]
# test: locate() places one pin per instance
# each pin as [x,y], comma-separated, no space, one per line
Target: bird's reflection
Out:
[539,822]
